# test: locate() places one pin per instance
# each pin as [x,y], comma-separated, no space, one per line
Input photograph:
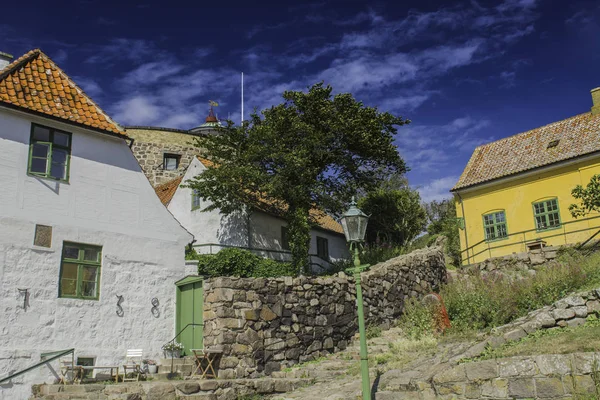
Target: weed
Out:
[373,331]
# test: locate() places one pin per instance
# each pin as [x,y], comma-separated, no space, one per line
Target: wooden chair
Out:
[67,367]
[133,363]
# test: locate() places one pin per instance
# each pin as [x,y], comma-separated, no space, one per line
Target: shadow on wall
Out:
[233,230]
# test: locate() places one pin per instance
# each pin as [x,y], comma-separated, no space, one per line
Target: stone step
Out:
[176,361]
[184,369]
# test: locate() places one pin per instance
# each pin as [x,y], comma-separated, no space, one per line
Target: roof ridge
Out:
[534,129]
[18,62]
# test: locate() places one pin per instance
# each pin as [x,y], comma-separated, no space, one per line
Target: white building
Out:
[80,225]
[261,232]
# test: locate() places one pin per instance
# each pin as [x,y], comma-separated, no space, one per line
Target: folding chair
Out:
[133,362]
[68,367]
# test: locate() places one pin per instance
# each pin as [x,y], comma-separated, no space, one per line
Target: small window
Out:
[171,162]
[494,225]
[49,153]
[547,215]
[322,248]
[285,240]
[43,236]
[195,199]
[86,362]
[80,271]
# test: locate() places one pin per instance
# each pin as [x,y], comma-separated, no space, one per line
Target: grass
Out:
[585,338]
[304,364]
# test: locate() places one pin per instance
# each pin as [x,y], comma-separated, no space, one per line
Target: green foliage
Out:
[417,320]
[313,150]
[589,197]
[373,331]
[242,263]
[376,253]
[443,221]
[479,303]
[397,215]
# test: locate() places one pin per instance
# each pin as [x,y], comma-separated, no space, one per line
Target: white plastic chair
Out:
[133,363]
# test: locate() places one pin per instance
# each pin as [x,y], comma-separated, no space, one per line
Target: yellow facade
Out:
[516,196]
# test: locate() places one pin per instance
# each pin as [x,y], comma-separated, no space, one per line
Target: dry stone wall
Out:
[263,325]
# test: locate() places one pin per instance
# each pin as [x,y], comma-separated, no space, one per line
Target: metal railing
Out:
[53,356]
[173,341]
[525,237]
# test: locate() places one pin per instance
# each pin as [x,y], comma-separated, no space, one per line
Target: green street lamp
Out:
[354,223]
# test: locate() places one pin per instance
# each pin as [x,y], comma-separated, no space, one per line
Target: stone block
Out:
[583,363]
[496,341]
[582,384]
[267,314]
[521,388]
[576,322]
[563,313]
[580,311]
[251,315]
[545,319]
[515,334]
[481,370]
[515,366]
[451,388]
[473,390]
[553,364]
[264,385]
[496,388]
[454,374]
[531,326]
[593,306]
[549,387]
[163,391]
[208,384]
[188,387]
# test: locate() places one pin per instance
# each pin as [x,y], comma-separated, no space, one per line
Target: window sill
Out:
[45,178]
[549,229]
[79,298]
[496,240]
[44,249]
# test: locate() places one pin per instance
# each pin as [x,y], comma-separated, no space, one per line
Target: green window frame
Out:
[546,215]
[322,248]
[494,226]
[195,199]
[80,269]
[49,153]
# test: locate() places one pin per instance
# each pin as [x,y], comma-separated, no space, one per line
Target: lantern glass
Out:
[354,223]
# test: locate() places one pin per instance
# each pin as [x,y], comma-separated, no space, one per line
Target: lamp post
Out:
[354,223]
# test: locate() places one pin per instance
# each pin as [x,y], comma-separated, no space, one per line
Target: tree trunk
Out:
[299,238]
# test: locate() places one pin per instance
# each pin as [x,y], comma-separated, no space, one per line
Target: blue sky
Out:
[464,72]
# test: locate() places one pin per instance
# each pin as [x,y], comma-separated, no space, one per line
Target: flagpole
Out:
[242,117]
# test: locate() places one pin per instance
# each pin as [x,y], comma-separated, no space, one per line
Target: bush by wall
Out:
[240,263]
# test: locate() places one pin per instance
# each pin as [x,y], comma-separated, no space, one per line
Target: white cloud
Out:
[437,189]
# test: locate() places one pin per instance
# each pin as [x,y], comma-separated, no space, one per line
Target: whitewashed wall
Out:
[107,202]
[264,230]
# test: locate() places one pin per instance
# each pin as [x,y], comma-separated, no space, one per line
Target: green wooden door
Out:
[190,304]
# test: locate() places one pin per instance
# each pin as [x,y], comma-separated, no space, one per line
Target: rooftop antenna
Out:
[242,117]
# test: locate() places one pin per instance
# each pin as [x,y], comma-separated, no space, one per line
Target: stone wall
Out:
[530,377]
[264,324]
[150,145]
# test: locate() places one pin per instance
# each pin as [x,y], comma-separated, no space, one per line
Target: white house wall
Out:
[108,202]
[263,229]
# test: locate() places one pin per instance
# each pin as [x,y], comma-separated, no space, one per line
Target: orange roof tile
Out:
[166,191]
[35,83]
[322,219]
[576,136]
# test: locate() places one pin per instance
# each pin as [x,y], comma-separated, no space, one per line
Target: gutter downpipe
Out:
[462,206]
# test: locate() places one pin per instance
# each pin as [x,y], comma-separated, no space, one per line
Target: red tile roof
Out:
[35,83]
[166,191]
[576,136]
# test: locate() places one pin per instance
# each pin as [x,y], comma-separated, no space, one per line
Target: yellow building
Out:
[514,193]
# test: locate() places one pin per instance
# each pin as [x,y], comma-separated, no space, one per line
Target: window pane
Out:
[68,287]
[58,171]
[501,230]
[488,219]
[59,156]
[539,208]
[540,222]
[552,205]
[61,139]
[91,254]
[40,150]
[170,163]
[88,289]
[69,271]
[38,165]
[71,252]
[89,273]
[490,233]
[40,133]
[500,217]
[553,219]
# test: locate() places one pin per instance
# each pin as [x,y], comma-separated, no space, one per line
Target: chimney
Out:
[596,101]
[5,59]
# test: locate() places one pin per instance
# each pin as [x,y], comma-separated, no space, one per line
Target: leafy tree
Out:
[313,150]
[589,197]
[397,216]
[443,221]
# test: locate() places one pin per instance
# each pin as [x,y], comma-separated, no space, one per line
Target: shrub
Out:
[416,320]
[373,331]
[379,252]
[238,262]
